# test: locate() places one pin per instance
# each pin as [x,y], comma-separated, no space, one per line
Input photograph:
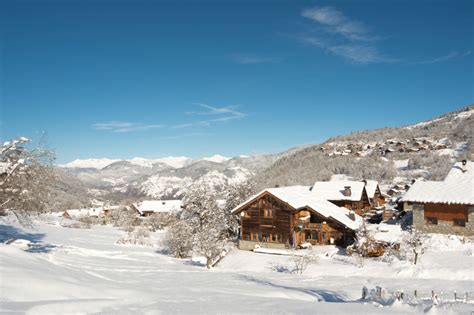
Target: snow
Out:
[158,206]
[90,163]
[217,158]
[301,197]
[390,233]
[85,271]
[457,188]
[371,188]
[333,190]
[401,164]
[175,161]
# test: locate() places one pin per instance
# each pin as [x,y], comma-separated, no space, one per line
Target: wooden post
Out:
[415,294]
[465,297]
[364,292]
[455,296]
[432,294]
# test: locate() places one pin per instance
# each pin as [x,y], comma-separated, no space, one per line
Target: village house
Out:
[97,212]
[445,206]
[149,207]
[287,217]
[376,198]
[349,194]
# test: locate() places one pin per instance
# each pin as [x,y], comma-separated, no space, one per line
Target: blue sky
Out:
[120,79]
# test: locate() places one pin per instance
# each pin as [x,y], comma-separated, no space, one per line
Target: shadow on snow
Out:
[320,295]
[9,234]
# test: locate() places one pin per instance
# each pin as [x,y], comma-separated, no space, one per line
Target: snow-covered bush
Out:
[179,239]
[140,235]
[125,218]
[158,221]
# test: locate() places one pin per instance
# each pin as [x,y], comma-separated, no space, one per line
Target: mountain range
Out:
[426,149]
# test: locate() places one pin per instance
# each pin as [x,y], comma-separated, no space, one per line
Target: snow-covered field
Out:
[66,270]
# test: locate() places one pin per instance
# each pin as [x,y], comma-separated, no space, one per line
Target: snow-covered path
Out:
[84,271]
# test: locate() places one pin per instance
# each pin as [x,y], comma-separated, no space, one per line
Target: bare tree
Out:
[302,261]
[26,175]
[414,244]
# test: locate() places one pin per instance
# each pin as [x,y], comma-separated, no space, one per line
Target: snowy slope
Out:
[85,272]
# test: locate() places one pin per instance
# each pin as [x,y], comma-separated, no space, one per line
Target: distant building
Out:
[445,206]
[148,207]
[344,193]
[374,193]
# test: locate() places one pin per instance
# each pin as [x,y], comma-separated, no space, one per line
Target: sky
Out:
[121,79]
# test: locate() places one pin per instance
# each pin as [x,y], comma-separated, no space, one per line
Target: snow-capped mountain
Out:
[167,177]
[89,163]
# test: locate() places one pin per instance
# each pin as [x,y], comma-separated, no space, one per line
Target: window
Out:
[274,237]
[245,214]
[432,220]
[459,222]
[314,219]
[265,237]
[267,213]
[254,236]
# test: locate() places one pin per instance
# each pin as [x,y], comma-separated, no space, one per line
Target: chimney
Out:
[365,182]
[347,191]
[352,215]
[464,165]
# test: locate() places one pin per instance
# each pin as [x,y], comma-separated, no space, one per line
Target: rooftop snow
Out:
[158,206]
[457,188]
[371,187]
[334,190]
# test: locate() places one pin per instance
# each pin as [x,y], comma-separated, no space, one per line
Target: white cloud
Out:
[225,113]
[124,126]
[353,41]
[451,55]
[335,21]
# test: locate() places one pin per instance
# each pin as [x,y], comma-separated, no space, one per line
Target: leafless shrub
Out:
[302,261]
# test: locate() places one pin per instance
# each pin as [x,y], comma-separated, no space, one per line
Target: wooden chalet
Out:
[349,194]
[290,216]
[446,206]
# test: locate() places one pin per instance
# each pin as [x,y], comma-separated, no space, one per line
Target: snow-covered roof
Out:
[457,188]
[334,190]
[158,206]
[85,212]
[371,187]
[300,197]
[3,167]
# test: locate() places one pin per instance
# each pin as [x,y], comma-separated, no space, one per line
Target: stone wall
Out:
[250,245]
[444,227]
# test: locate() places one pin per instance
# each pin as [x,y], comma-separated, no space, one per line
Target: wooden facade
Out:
[446,212]
[268,219]
[378,199]
[358,206]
